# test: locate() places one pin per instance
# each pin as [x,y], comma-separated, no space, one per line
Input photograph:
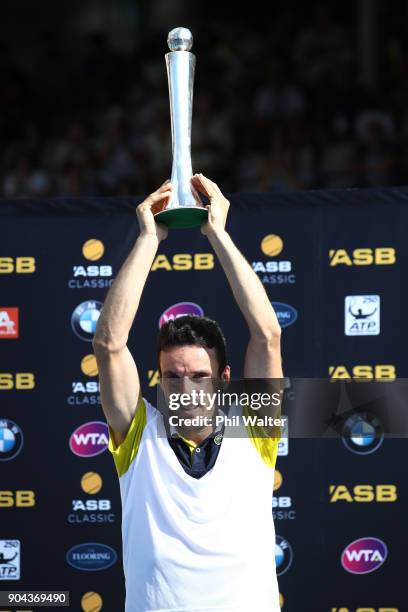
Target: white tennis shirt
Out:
[196,545]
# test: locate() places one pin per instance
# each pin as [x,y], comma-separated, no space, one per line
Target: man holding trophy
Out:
[197,523]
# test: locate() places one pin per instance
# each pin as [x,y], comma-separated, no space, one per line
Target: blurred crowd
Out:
[283,107]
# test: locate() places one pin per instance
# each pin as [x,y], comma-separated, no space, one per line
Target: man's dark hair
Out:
[192,330]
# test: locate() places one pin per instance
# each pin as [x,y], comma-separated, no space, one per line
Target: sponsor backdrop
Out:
[331,263]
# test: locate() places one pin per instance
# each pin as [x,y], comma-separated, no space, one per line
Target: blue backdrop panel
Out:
[312,251]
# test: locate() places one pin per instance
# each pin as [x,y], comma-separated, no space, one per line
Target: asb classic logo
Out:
[91,276]
[179,310]
[8,322]
[274,271]
[362,315]
[89,439]
[281,505]
[91,509]
[85,318]
[11,440]
[86,391]
[364,555]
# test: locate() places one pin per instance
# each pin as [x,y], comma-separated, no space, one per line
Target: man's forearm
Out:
[248,290]
[123,298]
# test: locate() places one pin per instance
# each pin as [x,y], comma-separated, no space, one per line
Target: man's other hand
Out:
[217,208]
[155,202]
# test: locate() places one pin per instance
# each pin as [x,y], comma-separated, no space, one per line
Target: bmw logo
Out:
[362,433]
[11,440]
[283,555]
[84,319]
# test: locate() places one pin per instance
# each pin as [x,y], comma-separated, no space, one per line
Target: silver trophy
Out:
[185,209]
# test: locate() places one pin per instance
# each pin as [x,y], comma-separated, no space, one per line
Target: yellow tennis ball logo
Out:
[272,245]
[278,480]
[91,483]
[281,600]
[89,366]
[93,249]
[91,602]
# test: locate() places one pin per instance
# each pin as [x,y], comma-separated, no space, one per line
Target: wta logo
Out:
[89,439]
[364,555]
[179,310]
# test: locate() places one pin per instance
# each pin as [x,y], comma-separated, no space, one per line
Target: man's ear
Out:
[226,373]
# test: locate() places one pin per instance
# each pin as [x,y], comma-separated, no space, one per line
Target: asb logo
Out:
[369,372]
[86,392]
[17,499]
[179,310]
[362,315]
[93,276]
[84,319]
[8,322]
[89,439]
[366,609]
[273,271]
[184,261]
[91,557]
[283,555]
[363,493]
[380,256]
[17,265]
[364,555]
[362,433]
[21,381]
[11,440]
[285,313]
[10,554]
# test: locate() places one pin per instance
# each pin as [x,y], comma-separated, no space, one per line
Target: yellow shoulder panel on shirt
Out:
[124,454]
[266,446]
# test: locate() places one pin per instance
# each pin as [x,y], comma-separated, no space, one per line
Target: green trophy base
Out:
[182,217]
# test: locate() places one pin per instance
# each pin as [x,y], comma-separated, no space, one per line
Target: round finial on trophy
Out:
[180,39]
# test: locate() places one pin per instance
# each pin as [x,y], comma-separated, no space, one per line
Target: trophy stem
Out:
[185,208]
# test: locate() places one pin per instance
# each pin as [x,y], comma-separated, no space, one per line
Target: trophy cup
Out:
[185,208]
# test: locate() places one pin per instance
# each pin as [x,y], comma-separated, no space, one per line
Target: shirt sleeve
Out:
[266,445]
[124,454]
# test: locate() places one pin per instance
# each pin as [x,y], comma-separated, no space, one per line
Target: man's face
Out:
[188,368]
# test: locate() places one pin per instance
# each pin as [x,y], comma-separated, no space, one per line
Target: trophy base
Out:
[182,217]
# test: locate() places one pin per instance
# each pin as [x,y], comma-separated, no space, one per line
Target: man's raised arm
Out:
[118,376]
[263,355]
